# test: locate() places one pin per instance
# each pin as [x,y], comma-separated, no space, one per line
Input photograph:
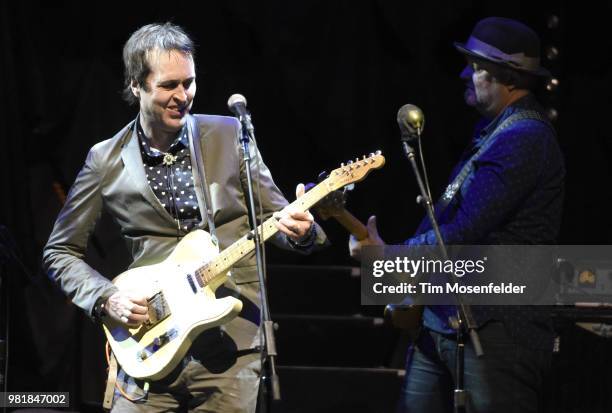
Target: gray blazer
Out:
[113,178]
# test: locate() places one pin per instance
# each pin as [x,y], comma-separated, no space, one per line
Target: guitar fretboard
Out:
[242,247]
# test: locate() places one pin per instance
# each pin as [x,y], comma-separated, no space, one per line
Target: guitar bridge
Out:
[158,309]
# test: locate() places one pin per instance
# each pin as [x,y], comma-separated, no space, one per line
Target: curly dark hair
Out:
[142,42]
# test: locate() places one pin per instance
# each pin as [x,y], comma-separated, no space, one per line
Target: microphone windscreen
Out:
[235,99]
[410,120]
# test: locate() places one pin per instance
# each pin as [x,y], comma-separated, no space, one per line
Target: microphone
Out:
[411,122]
[237,105]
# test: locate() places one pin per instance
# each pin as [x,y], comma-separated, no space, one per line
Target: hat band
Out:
[517,60]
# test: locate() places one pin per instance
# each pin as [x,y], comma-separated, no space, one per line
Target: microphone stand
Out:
[268,348]
[464,313]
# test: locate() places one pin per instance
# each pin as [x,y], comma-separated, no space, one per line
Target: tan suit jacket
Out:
[113,178]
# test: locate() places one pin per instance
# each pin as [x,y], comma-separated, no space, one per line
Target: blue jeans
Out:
[508,378]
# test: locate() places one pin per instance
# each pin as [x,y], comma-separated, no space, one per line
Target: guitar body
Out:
[405,317]
[179,311]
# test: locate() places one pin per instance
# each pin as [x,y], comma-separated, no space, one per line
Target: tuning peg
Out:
[350,162]
[378,152]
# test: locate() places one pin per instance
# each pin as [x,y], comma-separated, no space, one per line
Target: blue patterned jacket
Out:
[513,194]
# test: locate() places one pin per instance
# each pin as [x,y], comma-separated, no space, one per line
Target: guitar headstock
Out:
[332,205]
[354,171]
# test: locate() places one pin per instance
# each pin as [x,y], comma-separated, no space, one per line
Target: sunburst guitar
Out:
[181,289]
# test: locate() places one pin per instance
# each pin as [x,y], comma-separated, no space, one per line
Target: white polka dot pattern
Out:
[172,184]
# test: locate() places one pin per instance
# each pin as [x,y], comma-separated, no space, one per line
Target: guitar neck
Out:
[351,224]
[245,245]
[339,177]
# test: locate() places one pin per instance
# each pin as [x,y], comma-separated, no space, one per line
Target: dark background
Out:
[324,80]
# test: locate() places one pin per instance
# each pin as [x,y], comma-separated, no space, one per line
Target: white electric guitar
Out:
[181,289]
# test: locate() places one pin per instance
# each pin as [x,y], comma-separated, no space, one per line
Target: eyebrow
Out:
[170,81]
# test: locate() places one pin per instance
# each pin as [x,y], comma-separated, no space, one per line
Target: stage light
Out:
[552,53]
[553,21]
[552,114]
[552,84]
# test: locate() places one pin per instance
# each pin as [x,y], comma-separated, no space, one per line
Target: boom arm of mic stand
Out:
[465,311]
[269,344]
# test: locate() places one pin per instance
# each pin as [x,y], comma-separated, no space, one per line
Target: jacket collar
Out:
[132,159]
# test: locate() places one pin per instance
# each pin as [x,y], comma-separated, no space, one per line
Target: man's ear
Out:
[135,89]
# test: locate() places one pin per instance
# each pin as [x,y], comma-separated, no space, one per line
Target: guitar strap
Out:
[200,176]
[109,393]
[453,187]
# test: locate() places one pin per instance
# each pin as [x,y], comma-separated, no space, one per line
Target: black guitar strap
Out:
[199,175]
[453,187]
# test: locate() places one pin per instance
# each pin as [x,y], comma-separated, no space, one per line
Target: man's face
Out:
[170,90]
[483,91]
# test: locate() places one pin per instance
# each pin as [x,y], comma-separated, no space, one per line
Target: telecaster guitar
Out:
[181,289]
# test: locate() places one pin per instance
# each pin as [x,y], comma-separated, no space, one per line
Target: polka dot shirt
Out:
[171,179]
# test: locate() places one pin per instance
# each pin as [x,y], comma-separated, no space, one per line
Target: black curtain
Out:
[323,79]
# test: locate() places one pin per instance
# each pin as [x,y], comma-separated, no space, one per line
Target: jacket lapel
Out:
[194,131]
[132,159]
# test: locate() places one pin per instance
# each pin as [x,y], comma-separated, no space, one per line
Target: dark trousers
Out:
[194,387]
[507,379]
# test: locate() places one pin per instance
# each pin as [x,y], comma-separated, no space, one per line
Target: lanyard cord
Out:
[172,195]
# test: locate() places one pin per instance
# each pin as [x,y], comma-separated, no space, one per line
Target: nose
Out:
[180,94]
[466,73]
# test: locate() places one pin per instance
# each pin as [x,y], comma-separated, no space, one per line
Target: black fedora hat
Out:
[506,42]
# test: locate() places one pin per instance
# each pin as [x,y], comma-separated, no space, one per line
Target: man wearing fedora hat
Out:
[506,189]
